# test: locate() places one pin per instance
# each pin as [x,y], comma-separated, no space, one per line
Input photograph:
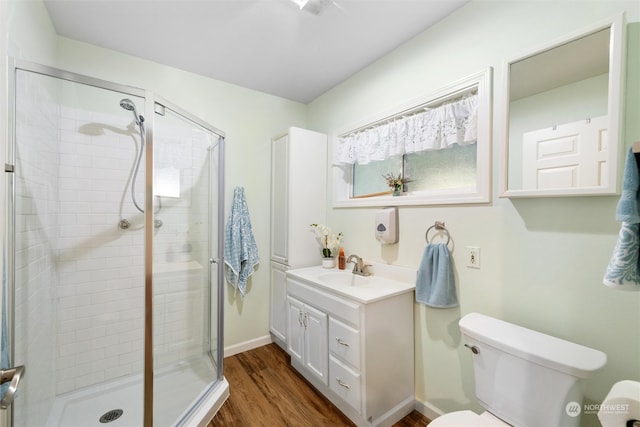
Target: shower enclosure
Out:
[113,259]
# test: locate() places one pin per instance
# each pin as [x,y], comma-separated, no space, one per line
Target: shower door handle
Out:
[12,375]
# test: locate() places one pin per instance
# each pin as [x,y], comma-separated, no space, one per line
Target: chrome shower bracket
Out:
[125,224]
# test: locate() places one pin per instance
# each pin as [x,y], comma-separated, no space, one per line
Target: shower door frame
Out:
[150,99]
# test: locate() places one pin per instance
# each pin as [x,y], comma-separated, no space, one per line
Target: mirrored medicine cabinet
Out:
[563,104]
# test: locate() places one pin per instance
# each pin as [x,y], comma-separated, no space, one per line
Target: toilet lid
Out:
[467,419]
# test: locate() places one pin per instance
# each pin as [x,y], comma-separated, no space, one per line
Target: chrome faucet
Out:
[12,376]
[359,267]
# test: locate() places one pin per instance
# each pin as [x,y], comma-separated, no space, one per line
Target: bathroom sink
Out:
[386,281]
[343,279]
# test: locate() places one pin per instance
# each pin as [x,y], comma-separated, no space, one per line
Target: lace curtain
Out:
[431,129]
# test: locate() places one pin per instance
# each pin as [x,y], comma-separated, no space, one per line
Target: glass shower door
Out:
[77,256]
[185,247]
[78,303]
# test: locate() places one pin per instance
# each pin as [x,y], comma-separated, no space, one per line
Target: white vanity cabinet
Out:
[298,199]
[367,348]
[307,339]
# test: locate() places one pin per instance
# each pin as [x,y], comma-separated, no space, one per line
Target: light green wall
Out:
[30,33]
[542,260]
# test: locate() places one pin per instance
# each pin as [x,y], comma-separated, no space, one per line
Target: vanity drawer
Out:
[325,301]
[344,382]
[344,342]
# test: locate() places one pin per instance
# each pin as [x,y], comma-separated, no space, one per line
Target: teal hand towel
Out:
[628,206]
[240,248]
[435,284]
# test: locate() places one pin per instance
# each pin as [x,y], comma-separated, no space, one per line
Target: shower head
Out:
[128,104]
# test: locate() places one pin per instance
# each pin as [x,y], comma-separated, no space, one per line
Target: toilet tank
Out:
[527,378]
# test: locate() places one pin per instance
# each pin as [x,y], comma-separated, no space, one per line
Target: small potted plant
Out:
[395,183]
[329,243]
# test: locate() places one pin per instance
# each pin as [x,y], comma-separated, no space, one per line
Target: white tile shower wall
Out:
[100,303]
[35,231]
[100,267]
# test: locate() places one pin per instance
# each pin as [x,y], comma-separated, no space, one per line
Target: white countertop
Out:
[386,281]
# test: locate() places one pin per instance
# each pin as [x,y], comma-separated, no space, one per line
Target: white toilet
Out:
[523,378]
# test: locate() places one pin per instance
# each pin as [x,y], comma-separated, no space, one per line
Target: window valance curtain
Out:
[430,129]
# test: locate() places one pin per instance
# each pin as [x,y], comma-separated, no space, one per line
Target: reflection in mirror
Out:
[563,116]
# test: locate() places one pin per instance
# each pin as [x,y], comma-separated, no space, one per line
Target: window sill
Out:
[444,197]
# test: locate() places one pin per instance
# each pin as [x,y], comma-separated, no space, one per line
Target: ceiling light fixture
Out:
[300,3]
[313,6]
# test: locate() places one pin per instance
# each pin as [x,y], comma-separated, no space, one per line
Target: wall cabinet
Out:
[360,356]
[298,196]
[298,199]
[277,303]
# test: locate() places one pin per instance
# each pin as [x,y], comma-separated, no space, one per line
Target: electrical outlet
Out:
[473,257]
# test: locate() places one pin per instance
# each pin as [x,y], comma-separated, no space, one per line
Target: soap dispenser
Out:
[387,225]
[342,262]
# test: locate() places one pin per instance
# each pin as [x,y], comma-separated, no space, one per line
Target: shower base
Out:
[174,391]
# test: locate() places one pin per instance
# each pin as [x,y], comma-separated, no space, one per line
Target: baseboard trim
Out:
[247,345]
[396,413]
[428,410]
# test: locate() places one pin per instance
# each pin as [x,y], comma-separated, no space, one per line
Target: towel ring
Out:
[439,226]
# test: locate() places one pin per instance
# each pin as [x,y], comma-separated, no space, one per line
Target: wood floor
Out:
[267,391]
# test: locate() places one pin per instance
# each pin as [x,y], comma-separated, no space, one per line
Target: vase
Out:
[329,262]
[397,191]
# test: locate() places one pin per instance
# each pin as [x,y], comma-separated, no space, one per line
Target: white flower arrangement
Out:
[328,240]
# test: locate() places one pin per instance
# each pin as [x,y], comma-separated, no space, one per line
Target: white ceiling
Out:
[268,45]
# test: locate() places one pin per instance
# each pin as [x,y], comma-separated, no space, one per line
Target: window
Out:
[440,144]
[368,180]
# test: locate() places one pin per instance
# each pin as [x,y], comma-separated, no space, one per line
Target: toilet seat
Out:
[468,419]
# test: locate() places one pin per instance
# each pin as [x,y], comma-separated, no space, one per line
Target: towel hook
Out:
[439,226]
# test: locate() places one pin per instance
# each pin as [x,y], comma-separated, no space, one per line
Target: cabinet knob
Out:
[342,342]
[342,384]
